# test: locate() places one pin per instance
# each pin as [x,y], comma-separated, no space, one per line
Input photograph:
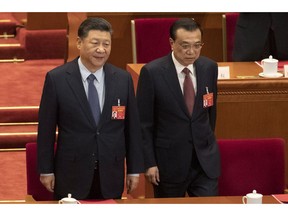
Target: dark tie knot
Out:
[186,71]
[91,78]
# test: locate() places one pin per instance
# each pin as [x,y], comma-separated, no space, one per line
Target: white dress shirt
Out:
[181,76]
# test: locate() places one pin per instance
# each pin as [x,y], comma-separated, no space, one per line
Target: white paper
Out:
[224,72]
[285,70]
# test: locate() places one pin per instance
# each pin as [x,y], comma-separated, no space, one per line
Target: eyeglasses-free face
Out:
[95,49]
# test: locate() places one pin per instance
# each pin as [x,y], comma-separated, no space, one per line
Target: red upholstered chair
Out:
[45,44]
[229,21]
[150,38]
[34,186]
[249,164]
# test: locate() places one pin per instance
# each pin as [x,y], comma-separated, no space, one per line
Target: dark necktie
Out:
[93,99]
[188,91]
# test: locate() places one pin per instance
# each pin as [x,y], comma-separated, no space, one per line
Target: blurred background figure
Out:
[258,35]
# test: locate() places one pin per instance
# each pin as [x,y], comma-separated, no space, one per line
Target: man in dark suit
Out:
[259,35]
[180,150]
[90,155]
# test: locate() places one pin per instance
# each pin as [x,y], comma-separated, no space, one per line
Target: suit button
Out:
[98,133]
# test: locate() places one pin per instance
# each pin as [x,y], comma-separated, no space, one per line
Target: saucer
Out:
[272,75]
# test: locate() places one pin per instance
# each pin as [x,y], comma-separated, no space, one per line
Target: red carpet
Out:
[13,175]
[21,83]
[20,92]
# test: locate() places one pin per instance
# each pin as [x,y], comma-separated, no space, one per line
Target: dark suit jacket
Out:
[64,105]
[252,32]
[169,133]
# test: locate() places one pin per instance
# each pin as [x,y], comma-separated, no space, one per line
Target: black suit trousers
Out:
[196,184]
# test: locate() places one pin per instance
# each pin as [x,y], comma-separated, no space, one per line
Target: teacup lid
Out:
[270,59]
[69,199]
[254,194]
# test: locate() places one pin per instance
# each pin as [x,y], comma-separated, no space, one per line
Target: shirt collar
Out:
[179,67]
[85,72]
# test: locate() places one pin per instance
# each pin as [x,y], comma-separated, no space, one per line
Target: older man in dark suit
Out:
[176,97]
[92,144]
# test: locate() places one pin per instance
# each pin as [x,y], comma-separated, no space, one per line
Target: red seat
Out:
[34,186]
[252,164]
[229,21]
[38,45]
[150,38]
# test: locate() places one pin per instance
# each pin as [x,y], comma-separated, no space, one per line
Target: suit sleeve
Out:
[47,127]
[213,109]
[134,144]
[145,100]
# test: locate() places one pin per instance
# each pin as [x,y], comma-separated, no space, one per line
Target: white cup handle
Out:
[244,199]
[60,202]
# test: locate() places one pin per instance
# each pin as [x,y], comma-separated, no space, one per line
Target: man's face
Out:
[95,49]
[187,46]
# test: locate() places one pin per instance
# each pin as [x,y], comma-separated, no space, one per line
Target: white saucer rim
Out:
[276,75]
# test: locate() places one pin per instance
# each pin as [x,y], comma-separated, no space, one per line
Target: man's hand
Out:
[48,181]
[131,183]
[152,174]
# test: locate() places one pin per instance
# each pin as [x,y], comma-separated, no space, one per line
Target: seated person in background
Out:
[258,35]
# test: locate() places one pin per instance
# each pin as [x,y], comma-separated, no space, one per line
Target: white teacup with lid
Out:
[252,198]
[269,65]
[68,200]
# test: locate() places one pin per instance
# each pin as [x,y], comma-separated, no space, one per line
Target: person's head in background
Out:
[94,42]
[186,40]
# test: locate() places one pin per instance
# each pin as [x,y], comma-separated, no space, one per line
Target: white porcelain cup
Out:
[252,198]
[269,65]
[68,200]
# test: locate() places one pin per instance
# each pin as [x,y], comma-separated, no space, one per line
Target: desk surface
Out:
[196,200]
[250,69]
[238,70]
[184,200]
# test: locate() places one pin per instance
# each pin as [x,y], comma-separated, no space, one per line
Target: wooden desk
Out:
[247,107]
[186,200]
[195,200]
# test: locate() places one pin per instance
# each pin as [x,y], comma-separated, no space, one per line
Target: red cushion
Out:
[45,44]
[231,21]
[34,186]
[152,38]
[252,164]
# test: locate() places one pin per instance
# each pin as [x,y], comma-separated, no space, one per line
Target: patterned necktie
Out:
[188,91]
[93,99]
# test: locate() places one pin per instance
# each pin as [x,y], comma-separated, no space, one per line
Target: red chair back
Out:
[34,186]
[252,164]
[229,31]
[151,38]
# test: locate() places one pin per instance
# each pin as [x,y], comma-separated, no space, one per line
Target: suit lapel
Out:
[110,86]
[200,77]
[75,81]
[169,74]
